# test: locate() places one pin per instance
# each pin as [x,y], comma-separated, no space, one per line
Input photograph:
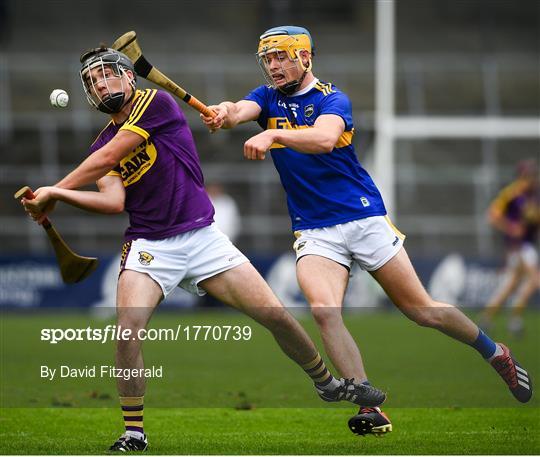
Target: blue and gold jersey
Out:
[322,189]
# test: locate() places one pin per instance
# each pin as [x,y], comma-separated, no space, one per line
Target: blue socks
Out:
[484,345]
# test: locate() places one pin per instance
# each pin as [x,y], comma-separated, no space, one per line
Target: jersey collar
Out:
[306,89]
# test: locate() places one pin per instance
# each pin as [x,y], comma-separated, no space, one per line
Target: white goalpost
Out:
[390,127]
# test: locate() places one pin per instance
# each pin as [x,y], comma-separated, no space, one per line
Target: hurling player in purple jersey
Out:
[145,162]
[337,212]
[516,213]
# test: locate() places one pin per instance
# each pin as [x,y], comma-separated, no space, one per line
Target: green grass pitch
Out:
[248,398]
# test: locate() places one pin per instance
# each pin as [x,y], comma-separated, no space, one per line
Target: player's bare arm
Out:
[102,161]
[321,138]
[96,166]
[230,114]
[109,200]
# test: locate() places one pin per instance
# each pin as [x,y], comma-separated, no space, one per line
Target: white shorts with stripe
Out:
[371,242]
[183,260]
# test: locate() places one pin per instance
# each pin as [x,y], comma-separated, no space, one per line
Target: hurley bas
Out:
[101,371]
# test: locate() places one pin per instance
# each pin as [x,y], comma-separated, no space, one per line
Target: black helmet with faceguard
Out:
[109,64]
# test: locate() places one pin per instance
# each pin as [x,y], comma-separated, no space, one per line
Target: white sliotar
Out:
[59,98]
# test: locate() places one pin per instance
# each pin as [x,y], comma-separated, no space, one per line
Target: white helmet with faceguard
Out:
[109,64]
[286,42]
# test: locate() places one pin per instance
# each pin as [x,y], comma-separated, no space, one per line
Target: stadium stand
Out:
[470,58]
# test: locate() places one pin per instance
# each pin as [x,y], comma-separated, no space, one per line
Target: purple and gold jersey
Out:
[520,204]
[322,189]
[165,193]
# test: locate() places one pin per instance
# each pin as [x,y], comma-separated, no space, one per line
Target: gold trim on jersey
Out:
[113,173]
[138,93]
[140,107]
[283,123]
[506,195]
[138,110]
[326,89]
[345,139]
[136,115]
[136,129]
[135,102]
[136,99]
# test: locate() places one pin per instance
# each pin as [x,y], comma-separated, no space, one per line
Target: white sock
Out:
[134,434]
[498,351]
[332,385]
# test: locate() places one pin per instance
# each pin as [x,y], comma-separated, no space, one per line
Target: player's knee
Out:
[275,318]
[131,322]
[326,316]
[429,317]
[425,321]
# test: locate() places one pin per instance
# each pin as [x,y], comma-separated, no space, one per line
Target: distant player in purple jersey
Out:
[145,162]
[337,212]
[516,213]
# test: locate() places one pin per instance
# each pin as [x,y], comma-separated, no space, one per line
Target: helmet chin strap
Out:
[291,87]
[115,102]
[112,104]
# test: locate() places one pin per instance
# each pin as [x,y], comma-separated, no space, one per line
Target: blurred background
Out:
[459,100]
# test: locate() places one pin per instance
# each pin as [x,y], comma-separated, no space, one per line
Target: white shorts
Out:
[183,260]
[526,253]
[371,242]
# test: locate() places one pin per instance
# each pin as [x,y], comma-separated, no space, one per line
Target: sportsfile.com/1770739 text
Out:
[118,333]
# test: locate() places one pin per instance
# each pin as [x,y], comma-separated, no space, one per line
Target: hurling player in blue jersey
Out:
[337,213]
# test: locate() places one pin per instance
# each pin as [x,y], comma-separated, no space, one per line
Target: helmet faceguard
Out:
[286,42]
[110,65]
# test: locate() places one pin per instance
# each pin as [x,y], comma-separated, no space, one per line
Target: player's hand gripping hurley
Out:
[73,267]
[128,45]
